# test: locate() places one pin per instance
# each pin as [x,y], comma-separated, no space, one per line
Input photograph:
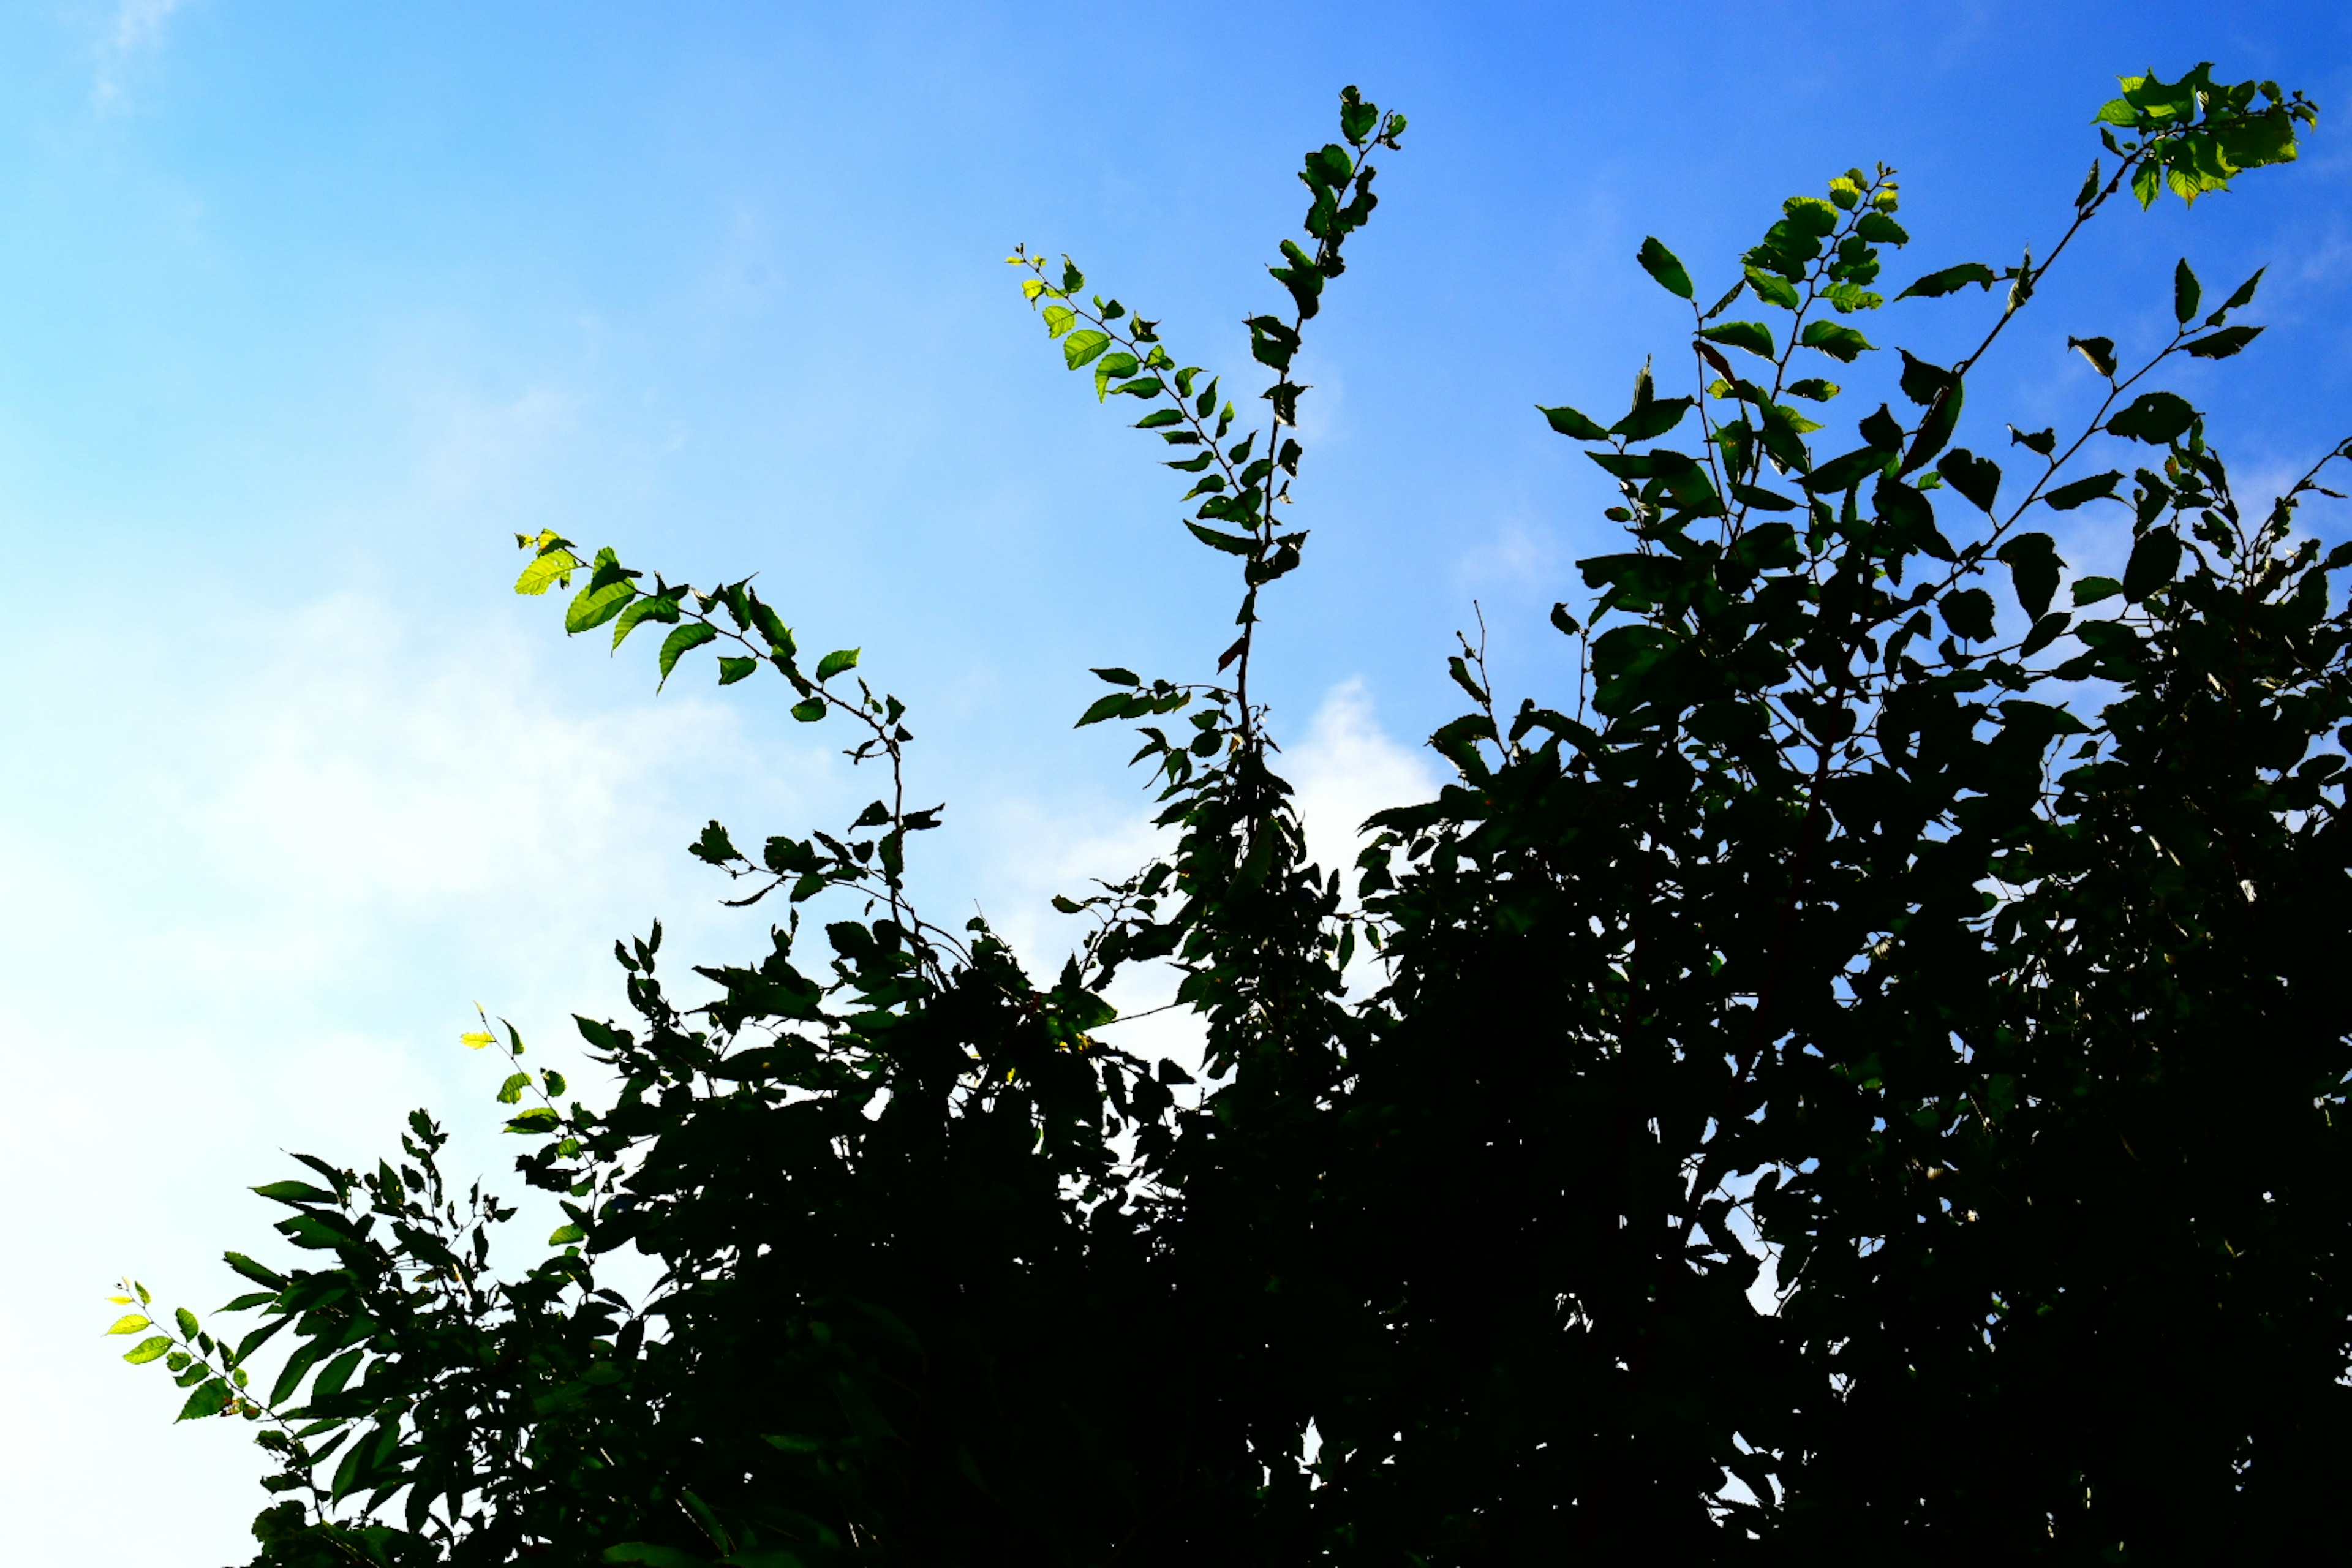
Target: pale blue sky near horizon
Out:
[306,311]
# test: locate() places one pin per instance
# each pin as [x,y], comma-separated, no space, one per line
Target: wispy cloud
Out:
[133,33]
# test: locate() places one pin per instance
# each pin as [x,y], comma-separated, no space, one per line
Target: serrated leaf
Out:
[1080,347]
[2223,343]
[1952,279]
[2066,497]
[1573,424]
[1753,337]
[547,571]
[686,638]
[1841,343]
[2158,419]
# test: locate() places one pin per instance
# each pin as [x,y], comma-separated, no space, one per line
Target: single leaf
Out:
[130,1323]
[1753,336]
[1118,677]
[1572,424]
[1814,389]
[1651,419]
[810,711]
[2091,590]
[2185,292]
[594,606]
[546,570]
[209,1400]
[1969,614]
[1952,279]
[2223,343]
[732,669]
[833,663]
[2041,441]
[2154,561]
[146,1350]
[1661,264]
[2100,351]
[2034,569]
[297,1192]
[1841,343]
[1978,479]
[1081,347]
[692,634]
[1773,288]
[2158,419]
[2098,487]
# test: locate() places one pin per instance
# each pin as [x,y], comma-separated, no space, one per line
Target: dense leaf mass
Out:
[1857,1078]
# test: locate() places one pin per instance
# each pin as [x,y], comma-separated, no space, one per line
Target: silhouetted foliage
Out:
[1856,1078]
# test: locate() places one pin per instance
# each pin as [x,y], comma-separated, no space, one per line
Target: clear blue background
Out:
[305,311]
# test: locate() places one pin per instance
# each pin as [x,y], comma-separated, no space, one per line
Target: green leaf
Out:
[735,668]
[692,634]
[1572,424]
[1880,229]
[1661,264]
[537,1120]
[1814,389]
[146,1350]
[189,1328]
[254,1271]
[594,606]
[295,1192]
[1117,677]
[546,570]
[2091,590]
[2098,487]
[2046,630]
[658,607]
[809,712]
[2043,442]
[1841,343]
[1651,419]
[2154,561]
[2244,296]
[1969,614]
[833,663]
[510,1091]
[1950,281]
[1111,707]
[1059,319]
[130,1324]
[1773,288]
[1975,478]
[565,1235]
[209,1400]
[336,1373]
[2223,343]
[2100,351]
[1081,347]
[2185,292]
[2034,569]
[1753,336]
[2158,419]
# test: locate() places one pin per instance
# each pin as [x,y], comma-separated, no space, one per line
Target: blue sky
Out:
[305,311]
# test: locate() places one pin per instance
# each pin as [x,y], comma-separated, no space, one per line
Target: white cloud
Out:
[135,31]
[249,910]
[1347,768]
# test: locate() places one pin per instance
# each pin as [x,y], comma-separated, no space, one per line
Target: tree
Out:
[1975,982]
